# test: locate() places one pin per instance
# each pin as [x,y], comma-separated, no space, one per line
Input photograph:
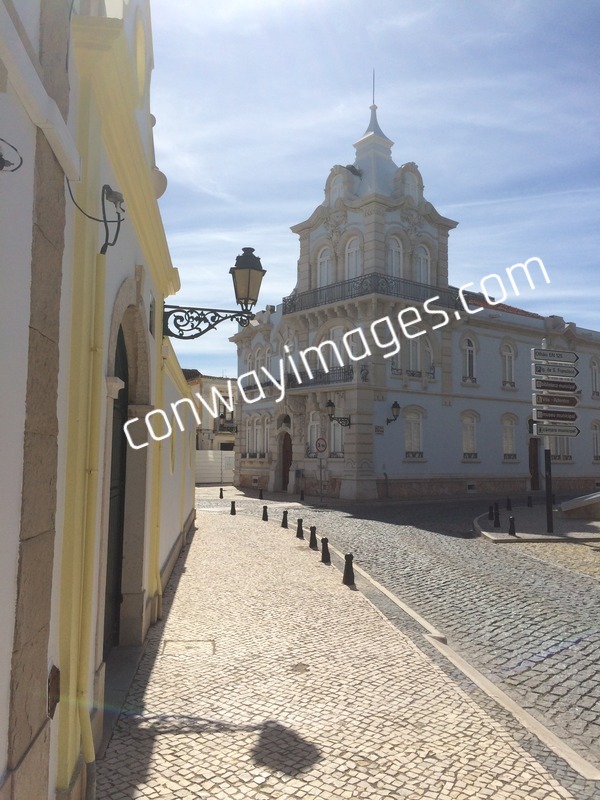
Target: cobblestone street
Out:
[267,678]
[527,616]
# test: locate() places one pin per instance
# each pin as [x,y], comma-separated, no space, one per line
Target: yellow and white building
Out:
[92,525]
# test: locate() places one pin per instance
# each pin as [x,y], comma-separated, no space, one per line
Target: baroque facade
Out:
[430,383]
[91,525]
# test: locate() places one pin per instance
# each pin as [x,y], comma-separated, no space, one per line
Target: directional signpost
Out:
[551,399]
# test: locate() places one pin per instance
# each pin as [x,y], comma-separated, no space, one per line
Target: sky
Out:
[498,103]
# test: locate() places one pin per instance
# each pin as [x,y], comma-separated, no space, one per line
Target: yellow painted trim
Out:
[103,55]
[85,287]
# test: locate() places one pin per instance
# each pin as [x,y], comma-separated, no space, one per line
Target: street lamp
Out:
[343,421]
[395,412]
[190,323]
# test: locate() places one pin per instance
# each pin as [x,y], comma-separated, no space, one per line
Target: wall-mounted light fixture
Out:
[395,412]
[5,164]
[190,323]
[116,198]
[343,421]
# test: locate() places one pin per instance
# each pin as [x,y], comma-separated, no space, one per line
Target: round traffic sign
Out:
[321,445]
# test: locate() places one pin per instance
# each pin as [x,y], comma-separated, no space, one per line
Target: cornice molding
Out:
[106,63]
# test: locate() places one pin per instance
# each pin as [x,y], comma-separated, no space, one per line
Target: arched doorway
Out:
[116,510]
[286,460]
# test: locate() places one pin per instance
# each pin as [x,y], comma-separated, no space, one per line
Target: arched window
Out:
[268,354]
[428,366]
[413,433]
[507,354]
[258,437]
[353,258]
[469,435]
[414,358]
[248,437]
[395,257]
[560,448]
[595,367]
[259,362]
[324,267]
[596,441]
[422,264]
[267,441]
[509,438]
[313,433]
[468,361]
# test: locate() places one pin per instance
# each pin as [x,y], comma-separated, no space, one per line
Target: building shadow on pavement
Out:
[276,747]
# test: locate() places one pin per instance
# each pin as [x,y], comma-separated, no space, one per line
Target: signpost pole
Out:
[548,476]
[320,481]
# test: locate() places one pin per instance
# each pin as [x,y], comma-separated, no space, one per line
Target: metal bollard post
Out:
[232,512]
[496,516]
[511,526]
[220,494]
[265,514]
[529,501]
[348,579]
[313,538]
[260,494]
[508,504]
[491,513]
[284,522]
[299,531]
[301,494]
[325,557]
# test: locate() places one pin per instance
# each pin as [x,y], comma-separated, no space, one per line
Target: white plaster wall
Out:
[178,471]
[16,208]
[29,14]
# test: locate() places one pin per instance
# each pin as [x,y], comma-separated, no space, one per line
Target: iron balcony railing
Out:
[373,283]
[320,377]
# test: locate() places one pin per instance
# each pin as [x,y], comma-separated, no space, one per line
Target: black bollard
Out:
[496,516]
[511,526]
[348,579]
[553,499]
[529,502]
[220,494]
[301,494]
[232,512]
[491,513]
[265,514]
[325,557]
[260,496]
[508,504]
[284,522]
[299,531]
[313,538]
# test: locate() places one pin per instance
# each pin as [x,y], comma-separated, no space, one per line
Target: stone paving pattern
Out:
[267,678]
[526,615]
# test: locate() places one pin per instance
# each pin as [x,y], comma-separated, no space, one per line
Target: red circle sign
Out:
[321,445]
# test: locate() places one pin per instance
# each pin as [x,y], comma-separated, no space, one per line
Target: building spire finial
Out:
[373,85]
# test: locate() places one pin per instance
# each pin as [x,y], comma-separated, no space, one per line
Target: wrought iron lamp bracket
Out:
[190,323]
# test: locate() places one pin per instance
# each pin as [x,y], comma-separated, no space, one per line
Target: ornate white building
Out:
[431,384]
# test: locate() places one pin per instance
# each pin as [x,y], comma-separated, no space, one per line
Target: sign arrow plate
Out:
[541,385]
[556,370]
[563,356]
[554,415]
[556,430]
[568,400]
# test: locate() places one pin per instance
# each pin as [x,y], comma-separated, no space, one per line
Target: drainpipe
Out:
[91,495]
